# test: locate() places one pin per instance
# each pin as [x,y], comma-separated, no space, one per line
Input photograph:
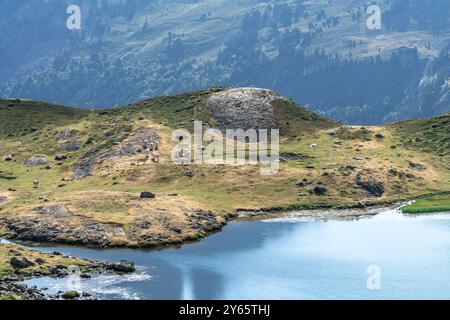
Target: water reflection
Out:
[292,259]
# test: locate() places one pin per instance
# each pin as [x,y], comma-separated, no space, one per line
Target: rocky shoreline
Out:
[22,264]
[318,214]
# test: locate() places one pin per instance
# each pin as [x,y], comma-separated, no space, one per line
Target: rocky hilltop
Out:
[83,177]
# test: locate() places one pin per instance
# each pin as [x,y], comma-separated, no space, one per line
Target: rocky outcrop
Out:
[373,187]
[243,108]
[57,224]
[127,147]
[13,290]
[21,263]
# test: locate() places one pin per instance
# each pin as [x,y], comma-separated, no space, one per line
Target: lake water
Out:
[287,258]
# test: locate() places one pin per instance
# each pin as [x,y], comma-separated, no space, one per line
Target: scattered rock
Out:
[67,133]
[71,146]
[417,166]
[379,136]
[147,195]
[320,190]
[189,174]
[331,133]
[3,200]
[60,157]
[9,288]
[291,156]
[35,161]
[9,157]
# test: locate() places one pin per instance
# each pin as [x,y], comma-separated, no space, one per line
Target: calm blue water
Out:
[287,258]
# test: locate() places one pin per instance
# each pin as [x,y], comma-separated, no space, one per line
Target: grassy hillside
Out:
[355,165]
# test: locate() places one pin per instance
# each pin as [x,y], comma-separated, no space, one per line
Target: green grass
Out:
[429,135]
[438,203]
[21,118]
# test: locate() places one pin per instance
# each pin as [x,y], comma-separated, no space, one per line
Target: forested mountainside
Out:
[320,53]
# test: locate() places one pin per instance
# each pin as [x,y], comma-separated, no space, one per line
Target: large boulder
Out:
[243,108]
[21,263]
[123,266]
[36,161]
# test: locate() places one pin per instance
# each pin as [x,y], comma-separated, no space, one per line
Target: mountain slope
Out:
[76,177]
[319,53]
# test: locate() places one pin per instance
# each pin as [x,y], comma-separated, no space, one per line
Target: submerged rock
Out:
[71,295]
[123,266]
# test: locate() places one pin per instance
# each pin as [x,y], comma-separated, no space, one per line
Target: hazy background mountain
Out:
[319,53]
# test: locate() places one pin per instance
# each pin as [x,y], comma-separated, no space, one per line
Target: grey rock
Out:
[417,166]
[35,161]
[67,133]
[71,146]
[21,263]
[243,108]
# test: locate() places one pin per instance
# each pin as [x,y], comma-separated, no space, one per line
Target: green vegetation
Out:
[438,203]
[319,152]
